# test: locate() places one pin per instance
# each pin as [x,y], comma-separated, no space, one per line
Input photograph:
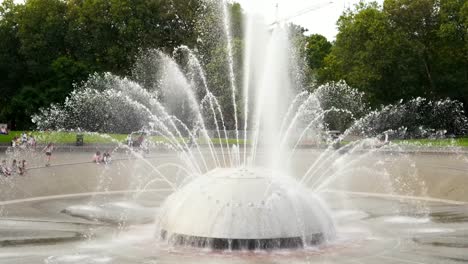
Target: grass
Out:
[448,142]
[90,138]
[95,138]
[230,141]
[65,137]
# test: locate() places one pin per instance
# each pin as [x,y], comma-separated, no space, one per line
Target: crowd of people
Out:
[23,141]
[15,168]
[19,168]
[28,142]
[105,158]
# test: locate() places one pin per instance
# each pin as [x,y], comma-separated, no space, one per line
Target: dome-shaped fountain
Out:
[244,208]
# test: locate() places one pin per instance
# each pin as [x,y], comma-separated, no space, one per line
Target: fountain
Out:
[244,209]
[252,203]
[255,176]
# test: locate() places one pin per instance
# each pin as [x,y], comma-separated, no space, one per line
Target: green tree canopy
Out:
[405,49]
[318,47]
[48,45]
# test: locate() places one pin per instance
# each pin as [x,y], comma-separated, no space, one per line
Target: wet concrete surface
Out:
[367,233]
[79,212]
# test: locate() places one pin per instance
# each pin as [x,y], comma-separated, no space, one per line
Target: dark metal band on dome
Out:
[242,244]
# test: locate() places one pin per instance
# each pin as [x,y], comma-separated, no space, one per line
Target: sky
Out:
[321,16]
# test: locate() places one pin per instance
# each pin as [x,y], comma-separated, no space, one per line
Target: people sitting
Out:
[22,167]
[3,130]
[4,169]
[106,158]
[97,157]
[31,142]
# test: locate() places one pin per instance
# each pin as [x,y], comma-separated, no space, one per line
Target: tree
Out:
[417,20]
[364,54]
[47,46]
[108,34]
[318,47]
[451,51]
[41,31]
[405,49]
[11,62]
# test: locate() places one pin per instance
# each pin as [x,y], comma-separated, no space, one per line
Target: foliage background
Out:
[402,50]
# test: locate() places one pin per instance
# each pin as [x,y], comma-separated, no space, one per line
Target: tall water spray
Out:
[232,77]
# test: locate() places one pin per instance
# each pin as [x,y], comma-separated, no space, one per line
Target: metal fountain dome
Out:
[244,208]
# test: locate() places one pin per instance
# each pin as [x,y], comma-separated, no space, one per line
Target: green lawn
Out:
[460,142]
[70,138]
[65,137]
